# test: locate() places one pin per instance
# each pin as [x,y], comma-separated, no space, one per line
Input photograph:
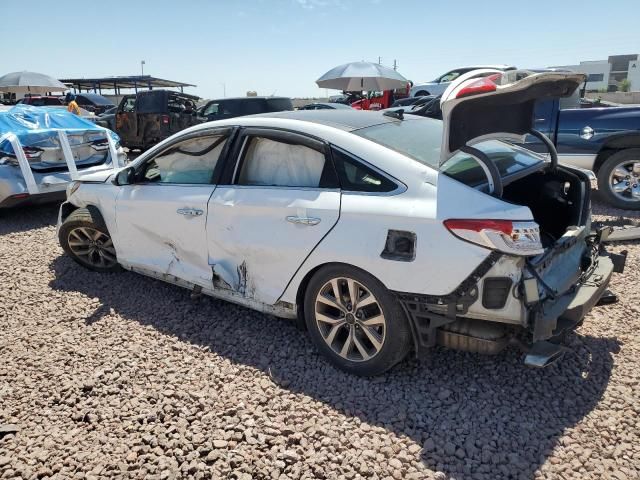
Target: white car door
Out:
[162,215]
[280,200]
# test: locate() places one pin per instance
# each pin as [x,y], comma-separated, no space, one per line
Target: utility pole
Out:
[224,90]
[395,65]
[142,62]
[379,60]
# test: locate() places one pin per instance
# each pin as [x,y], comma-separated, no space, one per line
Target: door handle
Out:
[309,221]
[190,212]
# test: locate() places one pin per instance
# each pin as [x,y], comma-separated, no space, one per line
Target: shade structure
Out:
[30,82]
[358,76]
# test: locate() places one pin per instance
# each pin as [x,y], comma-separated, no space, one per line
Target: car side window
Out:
[189,162]
[355,176]
[270,162]
[449,77]
[212,109]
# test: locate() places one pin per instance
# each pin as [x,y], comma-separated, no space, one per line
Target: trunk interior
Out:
[557,201]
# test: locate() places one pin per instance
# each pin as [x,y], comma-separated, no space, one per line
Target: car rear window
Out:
[418,139]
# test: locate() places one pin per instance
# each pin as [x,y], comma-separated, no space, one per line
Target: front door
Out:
[280,202]
[164,212]
[127,121]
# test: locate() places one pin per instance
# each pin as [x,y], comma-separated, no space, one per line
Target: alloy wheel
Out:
[350,319]
[624,180]
[92,247]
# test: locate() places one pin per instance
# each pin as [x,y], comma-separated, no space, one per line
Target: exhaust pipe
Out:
[542,354]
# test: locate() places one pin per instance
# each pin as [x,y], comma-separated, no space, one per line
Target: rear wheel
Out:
[86,239]
[619,179]
[355,321]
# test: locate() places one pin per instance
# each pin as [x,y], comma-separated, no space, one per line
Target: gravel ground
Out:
[120,376]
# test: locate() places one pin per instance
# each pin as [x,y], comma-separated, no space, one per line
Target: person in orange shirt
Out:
[72,105]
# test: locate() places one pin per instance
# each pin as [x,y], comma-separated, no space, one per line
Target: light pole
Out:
[142,62]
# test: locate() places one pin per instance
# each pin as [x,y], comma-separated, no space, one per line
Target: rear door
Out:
[164,212]
[280,200]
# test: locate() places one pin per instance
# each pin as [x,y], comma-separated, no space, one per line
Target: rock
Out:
[220,443]
[449,448]
[428,445]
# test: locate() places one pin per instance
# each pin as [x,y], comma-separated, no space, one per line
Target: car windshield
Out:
[421,139]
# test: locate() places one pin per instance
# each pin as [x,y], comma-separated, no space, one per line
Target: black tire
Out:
[604,173]
[82,218]
[396,342]
[421,93]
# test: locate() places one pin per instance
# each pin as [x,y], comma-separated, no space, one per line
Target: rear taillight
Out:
[474,87]
[165,119]
[515,238]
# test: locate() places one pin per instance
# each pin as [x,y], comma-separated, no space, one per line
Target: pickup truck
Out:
[604,140]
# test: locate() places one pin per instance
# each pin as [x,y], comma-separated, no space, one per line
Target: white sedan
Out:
[381,234]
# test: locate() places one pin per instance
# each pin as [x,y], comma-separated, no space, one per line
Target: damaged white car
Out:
[380,234]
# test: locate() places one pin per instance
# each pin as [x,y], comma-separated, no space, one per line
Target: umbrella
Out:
[30,82]
[357,76]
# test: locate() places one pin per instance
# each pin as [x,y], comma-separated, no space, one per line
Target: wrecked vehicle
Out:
[43,148]
[151,116]
[380,234]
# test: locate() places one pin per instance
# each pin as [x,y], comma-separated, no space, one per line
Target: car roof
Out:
[497,67]
[264,97]
[344,119]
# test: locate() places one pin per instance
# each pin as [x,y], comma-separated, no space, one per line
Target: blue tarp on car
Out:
[38,126]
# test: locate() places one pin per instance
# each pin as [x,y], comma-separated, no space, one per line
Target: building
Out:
[606,75]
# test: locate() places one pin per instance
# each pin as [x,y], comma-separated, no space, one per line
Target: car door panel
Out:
[259,237]
[165,229]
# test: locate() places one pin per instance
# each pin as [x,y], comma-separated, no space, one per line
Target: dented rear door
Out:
[279,204]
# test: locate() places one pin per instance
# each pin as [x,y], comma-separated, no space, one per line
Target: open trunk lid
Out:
[485,104]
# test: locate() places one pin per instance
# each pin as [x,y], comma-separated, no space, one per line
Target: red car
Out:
[42,101]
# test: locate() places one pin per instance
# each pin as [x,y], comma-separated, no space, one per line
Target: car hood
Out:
[485,104]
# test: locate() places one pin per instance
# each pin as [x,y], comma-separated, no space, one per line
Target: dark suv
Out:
[238,107]
[93,102]
[153,115]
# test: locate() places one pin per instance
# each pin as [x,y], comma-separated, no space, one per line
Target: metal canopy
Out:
[116,83]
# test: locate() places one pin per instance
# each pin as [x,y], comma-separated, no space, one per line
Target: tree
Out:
[624,85]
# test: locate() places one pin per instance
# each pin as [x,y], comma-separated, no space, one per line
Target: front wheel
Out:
[619,179]
[355,321]
[421,93]
[87,241]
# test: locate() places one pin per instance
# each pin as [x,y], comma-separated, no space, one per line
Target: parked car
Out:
[380,234]
[324,106]
[235,107]
[153,115]
[92,102]
[440,84]
[44,173]
[41,101]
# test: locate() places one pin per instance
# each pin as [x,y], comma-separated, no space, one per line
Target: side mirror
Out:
[124,177]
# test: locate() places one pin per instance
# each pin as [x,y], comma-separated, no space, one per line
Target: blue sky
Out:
[283,46]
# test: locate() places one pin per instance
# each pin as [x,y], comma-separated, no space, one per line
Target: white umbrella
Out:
[30,82]
[358,76]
